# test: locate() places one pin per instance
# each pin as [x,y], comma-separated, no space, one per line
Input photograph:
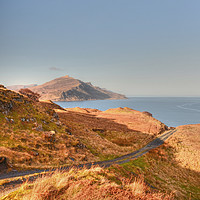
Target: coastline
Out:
[165,109]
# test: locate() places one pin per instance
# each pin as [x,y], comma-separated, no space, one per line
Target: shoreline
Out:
[166,109]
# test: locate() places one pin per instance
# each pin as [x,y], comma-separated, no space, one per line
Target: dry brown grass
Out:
[186,142]
[174,166]
[135,120]
[26,150]
[26,144]
[31,135]
[87,184]
[104,137]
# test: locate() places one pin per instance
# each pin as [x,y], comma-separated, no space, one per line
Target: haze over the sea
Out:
[138,48]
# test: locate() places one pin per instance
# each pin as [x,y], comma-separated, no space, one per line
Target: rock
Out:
[147,113]
[23,119]
[9,120]
[32,119]
[71,158]
[53,132]
[33,153]
[44,121]
[80,146]
[50,136]
[5,112]
[58,123]
[98,130]
[55,115]
[39,128]
[68,132]
[2,86]
[4,164]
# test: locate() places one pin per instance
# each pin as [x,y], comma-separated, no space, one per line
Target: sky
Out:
[134,47]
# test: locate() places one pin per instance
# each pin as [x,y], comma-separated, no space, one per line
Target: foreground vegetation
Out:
[41,134]
[85,184]
[173,167]
[32,136]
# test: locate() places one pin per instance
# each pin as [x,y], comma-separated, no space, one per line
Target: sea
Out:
[172,111]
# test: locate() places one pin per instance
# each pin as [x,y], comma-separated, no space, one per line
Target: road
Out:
[120,160]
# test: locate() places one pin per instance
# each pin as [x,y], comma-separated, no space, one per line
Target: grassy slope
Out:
[107,137]
[173,167]
[84,184]
[32,136]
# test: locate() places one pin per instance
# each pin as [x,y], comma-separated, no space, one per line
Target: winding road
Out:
[120,160]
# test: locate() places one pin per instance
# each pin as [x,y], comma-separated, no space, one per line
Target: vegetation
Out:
[32,136]
[105,135]
[30,94]
[40,134]
[173,167]
[85,184]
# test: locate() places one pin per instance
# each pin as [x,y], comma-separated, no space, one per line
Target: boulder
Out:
[147,113]
[4,165]
[2,86]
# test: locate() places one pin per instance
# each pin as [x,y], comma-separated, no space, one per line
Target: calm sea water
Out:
[173,111]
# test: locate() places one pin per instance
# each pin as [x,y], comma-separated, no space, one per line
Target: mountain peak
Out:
[67,76]
[67,88]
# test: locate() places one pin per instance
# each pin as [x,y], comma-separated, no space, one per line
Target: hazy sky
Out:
[136,47]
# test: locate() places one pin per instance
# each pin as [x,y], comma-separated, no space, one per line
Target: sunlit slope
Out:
[32,135]
[174,167]
[70,89]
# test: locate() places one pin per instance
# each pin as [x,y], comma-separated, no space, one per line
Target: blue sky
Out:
[138,48]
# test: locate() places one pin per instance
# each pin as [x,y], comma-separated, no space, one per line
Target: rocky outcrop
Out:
[2,86]
[69,89]
[9,99]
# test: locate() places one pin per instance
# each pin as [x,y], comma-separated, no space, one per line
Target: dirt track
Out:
[123,159]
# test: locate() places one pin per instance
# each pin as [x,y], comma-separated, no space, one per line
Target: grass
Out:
[85,137]
[120,138]
[25,137]
[162,168]
[105,137]
[173,167]
[94,183]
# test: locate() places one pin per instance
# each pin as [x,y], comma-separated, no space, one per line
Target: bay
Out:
[173,111]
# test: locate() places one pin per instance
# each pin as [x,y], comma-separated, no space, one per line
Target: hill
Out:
[42,134]
[174,166]
[69,89]
[18,87]
[32,136]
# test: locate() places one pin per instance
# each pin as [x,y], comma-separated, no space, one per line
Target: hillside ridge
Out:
[67,88]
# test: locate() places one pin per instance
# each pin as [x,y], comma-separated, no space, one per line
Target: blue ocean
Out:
[173,111]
